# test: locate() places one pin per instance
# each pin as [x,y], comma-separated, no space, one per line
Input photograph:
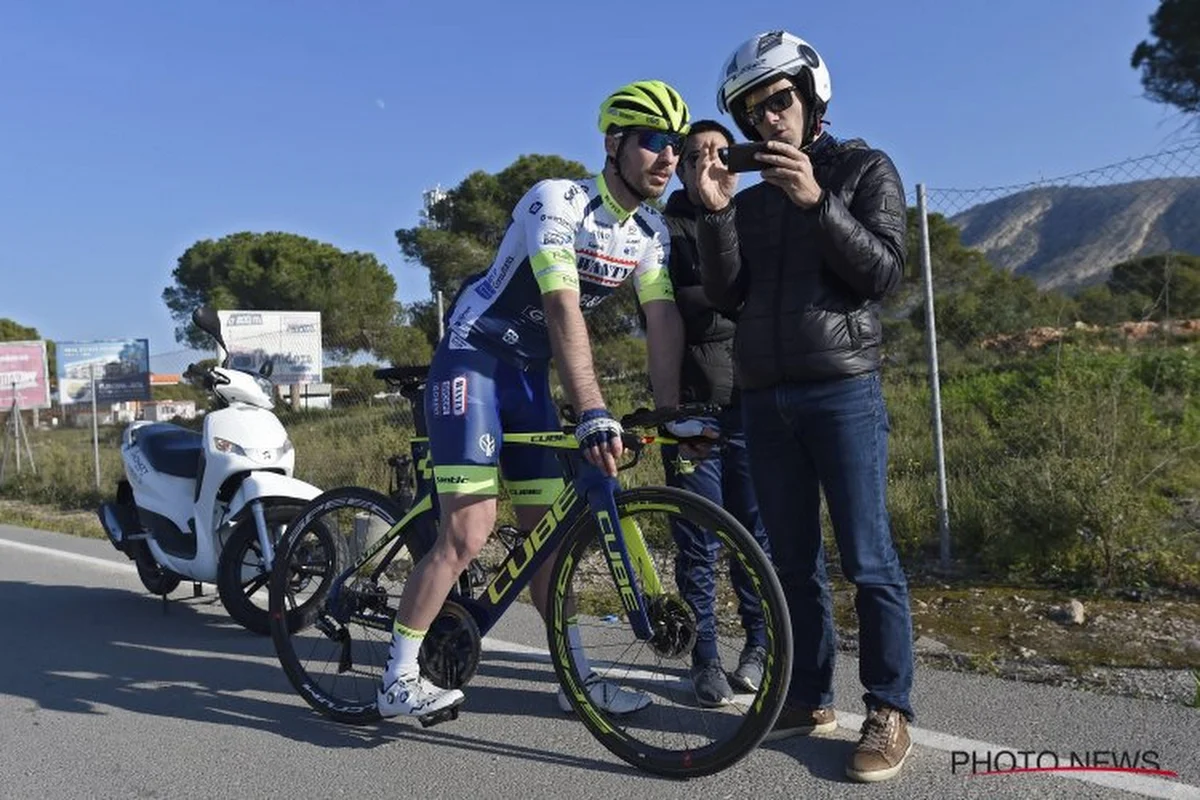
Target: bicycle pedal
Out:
[445,715]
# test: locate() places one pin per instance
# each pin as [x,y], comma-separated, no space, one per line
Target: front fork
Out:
[264,535]
[624,546]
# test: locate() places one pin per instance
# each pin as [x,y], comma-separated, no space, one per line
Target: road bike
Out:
[345,557]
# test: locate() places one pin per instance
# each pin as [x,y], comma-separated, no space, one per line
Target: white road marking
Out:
[1145,785]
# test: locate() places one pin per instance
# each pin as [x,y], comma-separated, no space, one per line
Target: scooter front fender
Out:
[268,486]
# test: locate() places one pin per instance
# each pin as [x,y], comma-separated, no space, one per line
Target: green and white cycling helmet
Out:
[645,104]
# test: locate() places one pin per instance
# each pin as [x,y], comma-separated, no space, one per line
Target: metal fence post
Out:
[440,314]
[939,449]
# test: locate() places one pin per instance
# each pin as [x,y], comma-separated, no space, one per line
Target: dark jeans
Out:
[723,478]
[832,435]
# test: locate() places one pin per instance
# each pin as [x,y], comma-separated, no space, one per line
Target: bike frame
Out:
[586,490]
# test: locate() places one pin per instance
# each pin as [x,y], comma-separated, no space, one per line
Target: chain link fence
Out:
[1040,370]
[1061,321]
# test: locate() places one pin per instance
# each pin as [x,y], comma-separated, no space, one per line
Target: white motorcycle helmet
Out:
[765,58]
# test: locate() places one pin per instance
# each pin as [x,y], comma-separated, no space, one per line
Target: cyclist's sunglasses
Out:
[775,103]
[657,141]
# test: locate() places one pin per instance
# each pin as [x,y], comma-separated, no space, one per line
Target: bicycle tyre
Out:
[769,699]
[355,711]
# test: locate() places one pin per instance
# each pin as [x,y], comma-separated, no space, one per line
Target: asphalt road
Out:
[104,692]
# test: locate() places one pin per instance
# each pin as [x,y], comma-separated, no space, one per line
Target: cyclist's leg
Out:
[464,429]
[532,475]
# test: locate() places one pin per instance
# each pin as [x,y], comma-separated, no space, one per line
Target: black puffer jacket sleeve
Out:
[865,243]
[720,259]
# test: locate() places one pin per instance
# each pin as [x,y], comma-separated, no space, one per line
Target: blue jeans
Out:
[723,478]
[832,436]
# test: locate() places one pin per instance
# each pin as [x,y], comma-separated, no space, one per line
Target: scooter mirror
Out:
[206,319]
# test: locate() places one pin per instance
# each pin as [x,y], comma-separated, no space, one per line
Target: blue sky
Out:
[130,129]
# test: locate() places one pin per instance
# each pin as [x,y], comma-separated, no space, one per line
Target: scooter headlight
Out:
[226,446]
[266,455]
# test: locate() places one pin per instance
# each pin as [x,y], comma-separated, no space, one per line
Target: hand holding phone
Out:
[740,157]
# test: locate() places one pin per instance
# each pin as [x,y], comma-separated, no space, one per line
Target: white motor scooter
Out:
[210,506]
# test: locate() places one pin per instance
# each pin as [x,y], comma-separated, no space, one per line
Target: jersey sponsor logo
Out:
[554,218]
[595,271]
[511,337]
[442,396]
[556,238]
[458,393]
[536,207]
[570,194]
[487,445]
[504,268]
[534,314]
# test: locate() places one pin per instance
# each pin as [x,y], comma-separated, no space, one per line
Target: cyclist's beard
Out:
[635,180]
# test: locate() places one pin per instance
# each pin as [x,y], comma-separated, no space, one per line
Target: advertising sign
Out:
[120,368]
[291,338]
[23,374]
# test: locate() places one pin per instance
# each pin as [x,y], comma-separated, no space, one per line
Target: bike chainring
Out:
[450,652]
[673,626]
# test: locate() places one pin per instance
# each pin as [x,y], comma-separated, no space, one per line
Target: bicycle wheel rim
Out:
[628,737]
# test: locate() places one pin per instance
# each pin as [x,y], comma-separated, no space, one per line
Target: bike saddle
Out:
[406,379]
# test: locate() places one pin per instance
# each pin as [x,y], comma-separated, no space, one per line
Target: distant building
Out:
[167,410]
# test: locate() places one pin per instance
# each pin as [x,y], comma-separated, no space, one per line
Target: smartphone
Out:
[740,157]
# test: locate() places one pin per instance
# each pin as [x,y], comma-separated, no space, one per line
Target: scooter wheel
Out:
[241,579]
[156,578]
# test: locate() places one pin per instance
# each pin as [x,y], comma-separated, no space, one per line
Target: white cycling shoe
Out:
[415,696]
[608,697]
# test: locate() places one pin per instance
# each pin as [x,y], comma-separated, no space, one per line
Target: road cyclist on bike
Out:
[570,244]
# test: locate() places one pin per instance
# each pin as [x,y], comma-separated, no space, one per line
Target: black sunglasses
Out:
[657,141]
[776,103]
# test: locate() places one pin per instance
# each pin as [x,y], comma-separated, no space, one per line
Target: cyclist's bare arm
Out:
[572,349]
[573,359]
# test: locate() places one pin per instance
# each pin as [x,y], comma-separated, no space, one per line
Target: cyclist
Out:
[570,244]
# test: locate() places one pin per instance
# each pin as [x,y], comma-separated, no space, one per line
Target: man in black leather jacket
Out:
[723,474]
[807,255]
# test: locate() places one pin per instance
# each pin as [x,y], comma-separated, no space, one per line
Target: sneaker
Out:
[607,696]
[801,721]
[883,747]
[414,696]
[710,684]
[749,673]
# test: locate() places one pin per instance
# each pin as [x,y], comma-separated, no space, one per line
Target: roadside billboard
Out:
[24,375]
[291,338]
[119,367]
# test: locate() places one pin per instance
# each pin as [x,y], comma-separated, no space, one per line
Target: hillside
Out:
[1068,237]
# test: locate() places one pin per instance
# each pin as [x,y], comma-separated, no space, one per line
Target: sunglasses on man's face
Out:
[657,141]
[776,103]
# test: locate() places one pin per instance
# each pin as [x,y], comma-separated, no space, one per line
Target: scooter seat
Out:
[171,449]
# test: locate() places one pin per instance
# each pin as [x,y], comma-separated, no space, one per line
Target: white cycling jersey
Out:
[564,234]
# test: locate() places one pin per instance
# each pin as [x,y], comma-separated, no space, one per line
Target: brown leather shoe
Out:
[882,748]
[800,721]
